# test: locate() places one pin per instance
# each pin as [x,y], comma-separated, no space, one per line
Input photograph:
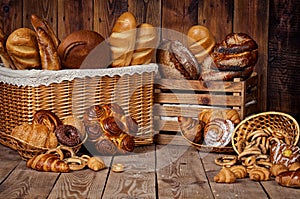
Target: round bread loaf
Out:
[200,41]
[22,47]
[176,61]
[76,46]
[236,52]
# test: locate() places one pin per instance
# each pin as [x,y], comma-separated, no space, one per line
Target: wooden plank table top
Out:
[155,171]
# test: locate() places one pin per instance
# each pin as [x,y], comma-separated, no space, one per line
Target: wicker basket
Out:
[272,121]
[71,92]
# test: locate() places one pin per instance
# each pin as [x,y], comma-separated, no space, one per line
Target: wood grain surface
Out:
[273,24]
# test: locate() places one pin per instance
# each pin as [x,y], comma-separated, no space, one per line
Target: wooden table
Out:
[156,171]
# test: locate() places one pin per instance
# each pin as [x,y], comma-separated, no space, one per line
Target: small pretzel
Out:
[264,163]
[249,161]
[76,163]
[85,157]
[57,151]
[68,149]
[226,161]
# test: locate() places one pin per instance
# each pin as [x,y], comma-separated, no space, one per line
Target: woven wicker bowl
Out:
[266,120]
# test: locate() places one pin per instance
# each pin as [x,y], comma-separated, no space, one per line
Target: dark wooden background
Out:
[273,24]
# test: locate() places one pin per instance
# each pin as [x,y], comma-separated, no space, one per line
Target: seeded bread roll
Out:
[22,47]
[200,41]
[122,40]
[146,43]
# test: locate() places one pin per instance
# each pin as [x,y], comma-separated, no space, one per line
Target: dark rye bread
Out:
[176,61]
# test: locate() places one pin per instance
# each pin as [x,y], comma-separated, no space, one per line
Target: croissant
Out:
[289,179]
[47,162]
[95,163]
[48,118]
[258,173]
[277,169]
[218,132]
[191,128]
[225,175]
[239,171]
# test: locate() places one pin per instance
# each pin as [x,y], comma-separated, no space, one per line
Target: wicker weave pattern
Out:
[266,120]
[134,93]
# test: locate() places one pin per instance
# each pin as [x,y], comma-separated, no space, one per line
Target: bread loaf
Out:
[38,22]
[200,41]
[146,43]
[22,47]
[37,135]
[76,46]
[176,61]
[48,52]
[122,40]
[3,53]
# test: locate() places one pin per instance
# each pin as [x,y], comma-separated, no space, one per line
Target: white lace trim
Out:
[36,78]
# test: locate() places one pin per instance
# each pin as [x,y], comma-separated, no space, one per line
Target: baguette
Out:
[38,22]
[122,40]
[48,52]
[146,43]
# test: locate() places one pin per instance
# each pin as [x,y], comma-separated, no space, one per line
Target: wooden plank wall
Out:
[258,18]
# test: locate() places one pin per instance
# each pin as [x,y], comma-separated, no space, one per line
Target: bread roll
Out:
[122,40]
[146,43]
[76,46]
[236,52]
[200,41]
[22,47]
[176,61]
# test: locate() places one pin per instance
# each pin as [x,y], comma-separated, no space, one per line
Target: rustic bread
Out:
[200,41]
[176,61]
[3,53]
[146,43]
[122,40]
[76,46]
[22,47]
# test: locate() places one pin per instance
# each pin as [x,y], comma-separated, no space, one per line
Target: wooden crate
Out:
[189,97]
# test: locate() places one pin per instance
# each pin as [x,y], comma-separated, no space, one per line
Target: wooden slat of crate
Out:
[189,97]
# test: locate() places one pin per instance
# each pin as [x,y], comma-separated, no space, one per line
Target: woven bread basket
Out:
[271,121]
[71,92]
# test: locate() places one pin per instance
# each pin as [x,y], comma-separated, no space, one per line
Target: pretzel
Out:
[57,151]
[226,161]
[76,163]
[249,161]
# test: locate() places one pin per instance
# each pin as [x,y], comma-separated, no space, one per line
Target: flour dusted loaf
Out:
[22,48]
